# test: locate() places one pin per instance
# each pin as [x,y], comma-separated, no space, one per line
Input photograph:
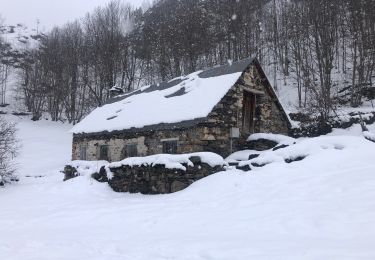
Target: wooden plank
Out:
[255,91]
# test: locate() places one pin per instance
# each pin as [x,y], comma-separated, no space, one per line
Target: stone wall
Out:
[213,135]
[156,179]
[229,111]
[116,147]
[196,139]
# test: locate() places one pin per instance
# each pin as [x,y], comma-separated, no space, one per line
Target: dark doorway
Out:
[104,152]
[249,101]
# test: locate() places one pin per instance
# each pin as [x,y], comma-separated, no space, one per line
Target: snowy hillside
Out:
[17,41]
[19,36]
[318,208]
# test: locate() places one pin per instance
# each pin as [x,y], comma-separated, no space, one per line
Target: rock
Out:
[261,144]
[70,172]
[178,185]
[253,156]
[244,168]
[233,163]
[195,159]
[258,165]
[299,158]
[101,176]
[280,147]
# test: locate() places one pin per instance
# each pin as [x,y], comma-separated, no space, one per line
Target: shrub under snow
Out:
[8,150]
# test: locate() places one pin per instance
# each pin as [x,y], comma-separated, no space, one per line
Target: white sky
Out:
[49,12]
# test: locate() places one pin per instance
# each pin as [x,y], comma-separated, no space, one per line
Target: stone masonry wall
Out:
[157,179]
[195,139]
[229,111]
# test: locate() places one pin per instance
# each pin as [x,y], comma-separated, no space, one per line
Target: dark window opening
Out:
[130,150]
[83,153]
[104,152]
[170,147]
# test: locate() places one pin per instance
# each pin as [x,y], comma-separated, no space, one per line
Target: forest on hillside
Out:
[311,42]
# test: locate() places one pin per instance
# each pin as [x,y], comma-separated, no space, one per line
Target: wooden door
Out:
[249,101]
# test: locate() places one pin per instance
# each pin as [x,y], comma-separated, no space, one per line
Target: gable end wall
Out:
[229,111]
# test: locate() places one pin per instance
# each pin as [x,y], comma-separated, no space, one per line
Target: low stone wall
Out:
[156,174]
[155,179]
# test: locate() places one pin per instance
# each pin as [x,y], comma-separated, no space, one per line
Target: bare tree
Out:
[5,67]
[8,151]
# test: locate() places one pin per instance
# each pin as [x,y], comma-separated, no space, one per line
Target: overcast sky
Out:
[49,12]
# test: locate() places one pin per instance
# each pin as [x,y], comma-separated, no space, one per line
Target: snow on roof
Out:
[191,97]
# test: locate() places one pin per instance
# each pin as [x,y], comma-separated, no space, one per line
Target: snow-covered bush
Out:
[8,151]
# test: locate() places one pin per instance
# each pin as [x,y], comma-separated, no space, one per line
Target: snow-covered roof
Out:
[185,99]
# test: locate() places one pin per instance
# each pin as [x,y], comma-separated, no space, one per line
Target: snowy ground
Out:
[320,208]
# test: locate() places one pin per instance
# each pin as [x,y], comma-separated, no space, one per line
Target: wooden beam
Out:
[254,91]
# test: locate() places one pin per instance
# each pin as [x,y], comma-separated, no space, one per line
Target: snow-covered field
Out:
[320,208]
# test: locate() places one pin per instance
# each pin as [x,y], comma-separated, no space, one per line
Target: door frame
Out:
[248,111]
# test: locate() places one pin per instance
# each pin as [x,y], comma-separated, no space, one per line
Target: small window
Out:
[104,152]
[83,153]
[130,150]
[170,147]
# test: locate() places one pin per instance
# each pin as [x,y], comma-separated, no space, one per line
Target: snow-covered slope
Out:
[320,208]
[19,36]
[45,146]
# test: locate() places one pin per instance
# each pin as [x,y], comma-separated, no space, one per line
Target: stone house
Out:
[213,110]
